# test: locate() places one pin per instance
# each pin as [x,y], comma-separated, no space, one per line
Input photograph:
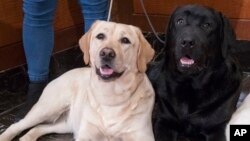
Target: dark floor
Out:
[13,83]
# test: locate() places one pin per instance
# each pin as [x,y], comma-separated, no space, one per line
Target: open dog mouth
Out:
[187,61]
[106,72]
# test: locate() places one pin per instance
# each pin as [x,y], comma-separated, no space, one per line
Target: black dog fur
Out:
[195,100]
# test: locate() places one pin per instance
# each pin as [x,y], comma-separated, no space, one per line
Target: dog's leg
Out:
[17,128]
[89,132]
[138,136]
[36,132]
[30,120]
[38,114]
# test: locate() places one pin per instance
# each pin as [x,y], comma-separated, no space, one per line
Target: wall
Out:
[159,10]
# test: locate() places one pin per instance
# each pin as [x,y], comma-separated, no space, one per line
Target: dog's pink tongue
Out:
[106,71]
[186,61]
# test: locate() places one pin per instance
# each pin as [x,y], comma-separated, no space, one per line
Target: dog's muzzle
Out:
[107,54]
[106,71]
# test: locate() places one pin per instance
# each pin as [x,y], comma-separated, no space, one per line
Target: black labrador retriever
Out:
[197,81]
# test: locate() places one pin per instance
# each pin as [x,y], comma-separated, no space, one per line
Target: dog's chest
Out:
[112,120]
[184,97]
[115,120]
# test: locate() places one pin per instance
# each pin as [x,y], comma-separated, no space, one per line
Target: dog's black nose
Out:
[107,53]
[188,42]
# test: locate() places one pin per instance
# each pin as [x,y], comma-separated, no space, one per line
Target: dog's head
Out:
[113,49]
[198,37]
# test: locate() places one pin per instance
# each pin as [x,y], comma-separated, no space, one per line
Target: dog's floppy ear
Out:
[228,36]
[145,52]
[84,43]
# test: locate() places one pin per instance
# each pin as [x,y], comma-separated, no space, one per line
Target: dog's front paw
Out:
[91,139]
[4,137]
[27,138]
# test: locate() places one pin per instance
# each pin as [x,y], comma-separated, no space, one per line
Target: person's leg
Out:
[94,10]
[38,42]
[38,37]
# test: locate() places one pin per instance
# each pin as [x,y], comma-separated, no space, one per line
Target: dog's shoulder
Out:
[154,71]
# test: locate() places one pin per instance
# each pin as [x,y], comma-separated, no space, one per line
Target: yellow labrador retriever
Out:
[110,101]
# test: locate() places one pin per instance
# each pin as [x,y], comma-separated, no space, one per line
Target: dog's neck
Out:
[115,92]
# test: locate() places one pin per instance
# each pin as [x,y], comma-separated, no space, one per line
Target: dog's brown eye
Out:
[206,25]
[180,21]
[125,40]
[100,36]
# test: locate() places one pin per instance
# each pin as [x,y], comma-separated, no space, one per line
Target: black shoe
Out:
[35,89]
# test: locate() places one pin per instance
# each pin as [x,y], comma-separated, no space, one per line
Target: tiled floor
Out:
[13,83]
